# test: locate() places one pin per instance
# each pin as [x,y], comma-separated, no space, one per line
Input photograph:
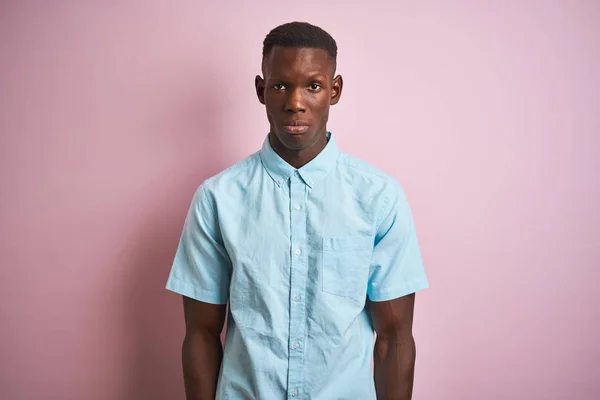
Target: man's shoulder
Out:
[240,171]
[368,173]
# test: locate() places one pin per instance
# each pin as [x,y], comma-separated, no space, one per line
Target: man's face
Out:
[297,90]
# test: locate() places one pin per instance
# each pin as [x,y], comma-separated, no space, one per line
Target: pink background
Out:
[112,113]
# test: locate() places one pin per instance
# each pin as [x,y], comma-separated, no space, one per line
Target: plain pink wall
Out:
[112,113]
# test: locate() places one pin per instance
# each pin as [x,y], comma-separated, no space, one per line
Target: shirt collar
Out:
[311,173]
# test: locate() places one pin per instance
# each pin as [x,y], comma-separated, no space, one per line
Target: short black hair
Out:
[300,35]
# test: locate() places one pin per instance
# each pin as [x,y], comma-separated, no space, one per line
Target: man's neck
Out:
[298,158]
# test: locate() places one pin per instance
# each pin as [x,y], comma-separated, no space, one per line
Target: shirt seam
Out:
[381,214]
[207,199]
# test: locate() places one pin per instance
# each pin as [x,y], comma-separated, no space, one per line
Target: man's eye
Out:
[279,86]
[315,86]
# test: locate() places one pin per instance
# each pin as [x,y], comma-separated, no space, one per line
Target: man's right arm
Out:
[202,351]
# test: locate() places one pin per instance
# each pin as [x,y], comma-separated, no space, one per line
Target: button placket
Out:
[298,276]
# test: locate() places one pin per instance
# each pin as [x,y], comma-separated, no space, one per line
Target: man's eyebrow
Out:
[316,74]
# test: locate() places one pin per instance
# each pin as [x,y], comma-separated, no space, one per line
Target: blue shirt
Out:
[296,252]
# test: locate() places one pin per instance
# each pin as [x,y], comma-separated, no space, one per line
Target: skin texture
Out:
[395,351]
[297,88]
[202,350]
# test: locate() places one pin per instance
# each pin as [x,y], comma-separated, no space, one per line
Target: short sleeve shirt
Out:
[296,253]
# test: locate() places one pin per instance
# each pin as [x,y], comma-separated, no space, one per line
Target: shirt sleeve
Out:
[202,268]
[397,266]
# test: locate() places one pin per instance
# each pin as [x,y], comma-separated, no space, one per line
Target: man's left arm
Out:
[397,273]
[394,348]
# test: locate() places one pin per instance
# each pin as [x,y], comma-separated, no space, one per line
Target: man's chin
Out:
[295,141]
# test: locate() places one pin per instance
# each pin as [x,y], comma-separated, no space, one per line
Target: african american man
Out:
[314,251]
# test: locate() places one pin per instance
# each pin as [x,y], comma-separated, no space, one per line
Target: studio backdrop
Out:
[112,113]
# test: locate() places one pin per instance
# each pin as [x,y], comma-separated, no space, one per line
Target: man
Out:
[313,249]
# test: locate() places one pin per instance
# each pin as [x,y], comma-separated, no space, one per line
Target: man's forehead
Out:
[307,60]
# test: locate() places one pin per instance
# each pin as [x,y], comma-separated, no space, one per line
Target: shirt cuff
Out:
[185,289]
[391,293]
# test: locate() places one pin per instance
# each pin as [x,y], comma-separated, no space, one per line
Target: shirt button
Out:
[297,298]
[296,345]
[297,206]
[297,173]
[298,252]
[294,393]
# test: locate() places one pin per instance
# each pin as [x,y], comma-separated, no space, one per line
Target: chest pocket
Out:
[346,265]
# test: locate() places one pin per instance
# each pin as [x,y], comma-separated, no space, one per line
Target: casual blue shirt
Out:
[296,253]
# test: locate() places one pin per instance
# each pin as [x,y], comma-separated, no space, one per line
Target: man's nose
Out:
[295,101]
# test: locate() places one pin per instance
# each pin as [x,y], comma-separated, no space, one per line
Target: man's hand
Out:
[394,348]
[202,351]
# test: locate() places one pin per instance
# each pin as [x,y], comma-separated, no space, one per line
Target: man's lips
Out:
[295,128]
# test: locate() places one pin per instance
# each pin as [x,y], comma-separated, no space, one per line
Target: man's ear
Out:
[259,84]
[336,89]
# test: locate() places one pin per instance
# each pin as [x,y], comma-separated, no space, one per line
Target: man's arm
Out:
[395,351]
[202,351]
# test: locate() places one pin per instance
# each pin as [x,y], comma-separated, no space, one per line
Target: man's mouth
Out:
[295,128]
